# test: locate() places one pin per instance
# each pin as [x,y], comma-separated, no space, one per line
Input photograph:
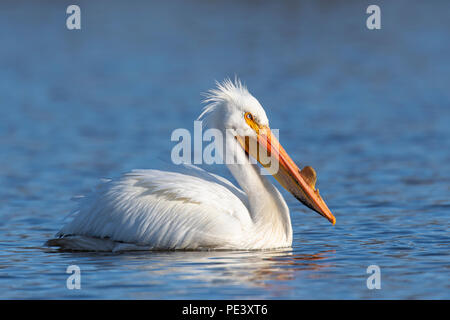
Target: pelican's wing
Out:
[166,210]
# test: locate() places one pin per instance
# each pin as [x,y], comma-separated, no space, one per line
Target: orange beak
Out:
[301,183]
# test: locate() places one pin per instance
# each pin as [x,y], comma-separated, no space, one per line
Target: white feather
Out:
[162,209]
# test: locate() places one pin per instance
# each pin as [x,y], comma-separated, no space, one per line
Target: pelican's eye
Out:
[251,121]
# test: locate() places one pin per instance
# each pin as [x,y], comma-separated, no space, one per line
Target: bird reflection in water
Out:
[253,268]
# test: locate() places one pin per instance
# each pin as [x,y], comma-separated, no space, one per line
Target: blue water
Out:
[369,110]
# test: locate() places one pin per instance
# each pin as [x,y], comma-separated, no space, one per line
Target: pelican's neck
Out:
[267,207]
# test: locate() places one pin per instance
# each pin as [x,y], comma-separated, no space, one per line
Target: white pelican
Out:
[197,210]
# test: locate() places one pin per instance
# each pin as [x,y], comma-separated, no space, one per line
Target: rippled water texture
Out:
[369,110]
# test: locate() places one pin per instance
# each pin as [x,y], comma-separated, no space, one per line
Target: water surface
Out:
[369,110]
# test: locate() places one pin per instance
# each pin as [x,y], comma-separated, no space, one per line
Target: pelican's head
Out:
[231,107]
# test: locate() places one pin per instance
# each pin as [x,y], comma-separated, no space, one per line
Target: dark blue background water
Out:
[369,110]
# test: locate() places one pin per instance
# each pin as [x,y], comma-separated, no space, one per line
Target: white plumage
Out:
[191,209]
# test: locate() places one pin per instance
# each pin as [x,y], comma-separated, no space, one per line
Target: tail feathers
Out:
[85,243]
